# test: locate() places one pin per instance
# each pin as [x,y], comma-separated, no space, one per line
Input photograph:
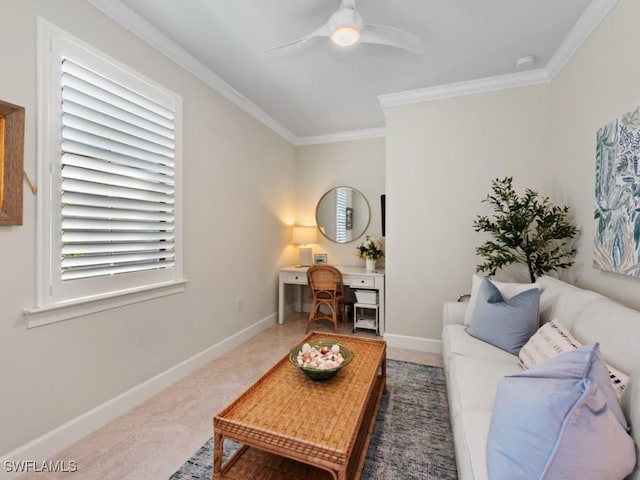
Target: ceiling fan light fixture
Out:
[346,28]
[345,36]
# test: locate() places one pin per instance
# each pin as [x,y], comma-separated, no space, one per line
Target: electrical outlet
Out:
[239,304]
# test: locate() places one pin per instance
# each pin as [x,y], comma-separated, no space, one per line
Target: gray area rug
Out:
[411,439]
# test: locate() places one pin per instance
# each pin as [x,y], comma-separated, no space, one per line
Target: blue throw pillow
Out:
[559,420]
[507,324]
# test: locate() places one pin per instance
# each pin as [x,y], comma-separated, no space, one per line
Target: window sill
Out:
[39,316]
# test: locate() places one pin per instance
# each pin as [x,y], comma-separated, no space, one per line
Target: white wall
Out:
[441,157]
[238,196]
[599,84]
[357,163]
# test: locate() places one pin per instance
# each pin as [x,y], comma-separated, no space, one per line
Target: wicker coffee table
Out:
[291,427]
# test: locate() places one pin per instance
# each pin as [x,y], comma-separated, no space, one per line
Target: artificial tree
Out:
[526,229]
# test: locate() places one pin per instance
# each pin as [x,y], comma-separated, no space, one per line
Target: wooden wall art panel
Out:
[11,163]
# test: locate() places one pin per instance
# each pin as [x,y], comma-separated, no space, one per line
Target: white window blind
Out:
[118,182]
[109,153]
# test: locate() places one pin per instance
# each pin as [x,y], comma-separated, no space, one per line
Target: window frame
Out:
[85,296]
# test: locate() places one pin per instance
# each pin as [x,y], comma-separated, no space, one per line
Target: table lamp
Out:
[303,236]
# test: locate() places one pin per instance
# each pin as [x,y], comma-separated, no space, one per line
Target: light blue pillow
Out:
[507,324]
[559,420]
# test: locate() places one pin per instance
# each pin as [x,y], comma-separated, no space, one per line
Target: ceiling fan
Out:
[345,28]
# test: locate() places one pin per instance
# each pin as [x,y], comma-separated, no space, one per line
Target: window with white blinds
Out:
[111,149]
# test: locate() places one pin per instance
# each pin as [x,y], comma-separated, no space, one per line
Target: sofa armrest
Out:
[453,313]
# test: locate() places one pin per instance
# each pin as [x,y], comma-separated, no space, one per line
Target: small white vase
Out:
[370,265]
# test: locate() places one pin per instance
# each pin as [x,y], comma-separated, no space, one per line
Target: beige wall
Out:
[599,84]
[238,195]
[441,157]
[359,164]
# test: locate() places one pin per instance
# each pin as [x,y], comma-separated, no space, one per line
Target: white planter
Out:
[370,265]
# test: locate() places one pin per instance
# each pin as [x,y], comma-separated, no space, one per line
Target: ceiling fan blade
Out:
[323,31]
[391,36]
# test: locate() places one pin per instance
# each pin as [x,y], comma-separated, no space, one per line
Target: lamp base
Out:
[304,256]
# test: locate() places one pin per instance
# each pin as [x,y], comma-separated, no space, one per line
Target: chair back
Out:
[325,283]
[324,278]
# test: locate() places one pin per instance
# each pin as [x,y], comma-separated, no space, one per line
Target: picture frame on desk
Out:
[320,259]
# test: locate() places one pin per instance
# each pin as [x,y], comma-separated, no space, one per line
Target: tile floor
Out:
[154,439]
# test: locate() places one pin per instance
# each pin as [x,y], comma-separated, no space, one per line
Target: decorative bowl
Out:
[318,373]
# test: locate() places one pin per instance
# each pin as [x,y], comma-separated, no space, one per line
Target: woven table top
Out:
[286,412]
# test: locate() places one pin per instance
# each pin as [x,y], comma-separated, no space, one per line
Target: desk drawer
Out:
[356,281]
[300,278]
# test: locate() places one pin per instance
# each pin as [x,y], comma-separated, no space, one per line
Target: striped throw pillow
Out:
[551,340]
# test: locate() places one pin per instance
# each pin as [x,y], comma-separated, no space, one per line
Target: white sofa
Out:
[473,368]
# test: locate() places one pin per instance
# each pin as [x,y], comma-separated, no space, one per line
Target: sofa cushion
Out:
[551,340]
[471,430]
[505,323]
[473,381]
[615,327]
[507,290]
[559,419]
[456,341]
[561,300]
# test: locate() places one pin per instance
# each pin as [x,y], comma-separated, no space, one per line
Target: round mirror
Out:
[342,214]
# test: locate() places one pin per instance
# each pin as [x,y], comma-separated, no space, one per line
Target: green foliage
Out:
[526,229]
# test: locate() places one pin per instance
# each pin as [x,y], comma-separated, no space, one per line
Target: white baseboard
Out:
[413,343]
[61,437]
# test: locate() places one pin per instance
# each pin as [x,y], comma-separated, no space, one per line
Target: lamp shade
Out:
[304,235]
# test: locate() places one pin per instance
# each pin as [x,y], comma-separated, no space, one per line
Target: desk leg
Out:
[298,299]
[381,308]
[280,302]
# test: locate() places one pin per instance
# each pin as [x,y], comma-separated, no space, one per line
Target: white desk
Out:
[354,277]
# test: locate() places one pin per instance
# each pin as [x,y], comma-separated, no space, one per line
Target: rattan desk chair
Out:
[327,289]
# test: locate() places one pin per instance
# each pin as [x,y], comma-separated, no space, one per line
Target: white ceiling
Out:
[318,90]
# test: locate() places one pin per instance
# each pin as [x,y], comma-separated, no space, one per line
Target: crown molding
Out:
[137,25]
[343,136]
[584,27]
[500,82]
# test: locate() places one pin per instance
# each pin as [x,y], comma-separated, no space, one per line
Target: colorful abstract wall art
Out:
[617,204]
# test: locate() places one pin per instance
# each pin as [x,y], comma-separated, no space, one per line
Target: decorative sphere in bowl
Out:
[320,359]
